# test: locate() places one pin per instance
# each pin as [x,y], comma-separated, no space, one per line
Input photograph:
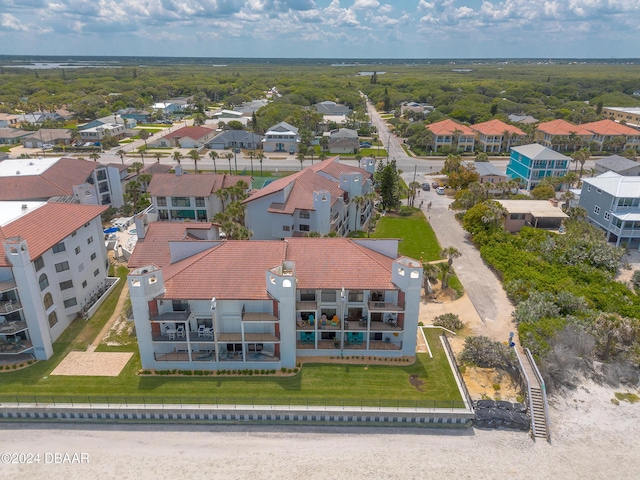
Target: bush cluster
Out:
[450,321]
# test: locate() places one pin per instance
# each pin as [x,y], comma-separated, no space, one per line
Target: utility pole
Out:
[415,169]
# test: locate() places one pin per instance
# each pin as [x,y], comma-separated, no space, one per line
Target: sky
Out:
[323,28]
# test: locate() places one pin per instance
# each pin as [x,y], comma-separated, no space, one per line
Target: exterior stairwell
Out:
[537,397]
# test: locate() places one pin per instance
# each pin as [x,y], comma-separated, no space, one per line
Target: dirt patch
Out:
[490,383]
[416,382]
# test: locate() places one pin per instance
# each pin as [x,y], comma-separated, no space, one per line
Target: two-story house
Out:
[185,137]
[606,132]
[53,267]
[612,202]
[496,136]
[618,164]
[180,197]
[561,135]
[264,304]
[344,140]
[319,198]
[97,133]
[89,182]
[529,164]
[452,136]
[281,138]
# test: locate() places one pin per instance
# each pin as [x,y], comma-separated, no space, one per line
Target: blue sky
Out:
[323,28]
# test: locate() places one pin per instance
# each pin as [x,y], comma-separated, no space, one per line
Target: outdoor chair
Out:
[201,330]
[180,333]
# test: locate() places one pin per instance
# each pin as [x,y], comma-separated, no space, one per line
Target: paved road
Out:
[483,287]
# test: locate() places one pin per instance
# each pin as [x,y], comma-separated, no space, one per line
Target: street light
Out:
[342,304]
[214,304]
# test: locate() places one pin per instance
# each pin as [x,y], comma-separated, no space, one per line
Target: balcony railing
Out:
[181,316]
[13,347]
[376,306]
[8,307]
[11,327]
[258,317]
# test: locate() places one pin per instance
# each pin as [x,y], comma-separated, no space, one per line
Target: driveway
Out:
[480,283]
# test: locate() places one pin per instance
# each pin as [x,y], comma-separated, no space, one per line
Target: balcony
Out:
[7,286]
[12,327]
[377,306]
[307,306]
[258,317]
[181,316]
[10,306]
[14,346]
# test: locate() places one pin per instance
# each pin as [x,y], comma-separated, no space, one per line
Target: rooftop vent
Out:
[17,172]
[24,206]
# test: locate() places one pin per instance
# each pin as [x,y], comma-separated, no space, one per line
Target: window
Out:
[90,240]
[328,296]
[74,234]
[81,267]
[356,296]
[179,306]
[304,228]
[38,263]
[162,201]
[58,247]
[596,210]
[516,216]
[598,190]
[77,250]
[66,285]
[200,202]
[48,301]
[304,214]
[70,302]
[84,284]
[588,188]
[44,281]
[286,228]
[62,266]
[180,201]
[307,295]
[96,272]
[93,256]
[53,319]
[607,215]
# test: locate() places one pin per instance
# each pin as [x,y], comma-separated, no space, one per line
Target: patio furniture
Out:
[180,333]
[205,355]
[201,330]
[334,321]
[323,320]
[312,320]
[8,307]
[208,332]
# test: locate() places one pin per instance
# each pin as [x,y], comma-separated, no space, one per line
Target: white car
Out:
[440,190]
[46,146]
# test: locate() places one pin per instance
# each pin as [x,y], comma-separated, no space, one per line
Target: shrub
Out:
[450,321]
[484,352]
[635,279]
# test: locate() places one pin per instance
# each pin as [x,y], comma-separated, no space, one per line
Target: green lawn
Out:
[418,238]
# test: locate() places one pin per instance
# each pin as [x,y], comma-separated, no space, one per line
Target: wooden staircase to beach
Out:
[537,397]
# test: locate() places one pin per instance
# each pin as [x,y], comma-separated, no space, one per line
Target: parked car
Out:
[440,190]
[236,150]
[365,145]
[435,184]
[46,146]
[426,187]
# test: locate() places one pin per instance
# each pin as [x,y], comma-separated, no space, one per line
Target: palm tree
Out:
[157,155]
[144,135]
[195,156]
[223,193]
[144,179]
[260,158]
[75,136]
[450,253]
[137,166]
[229,156]
[322,156]
[251,154]
[213,154]
[177,156]
[300,157]
[359,202]
[94,156]
[142,156]
[121,154]
[413,189]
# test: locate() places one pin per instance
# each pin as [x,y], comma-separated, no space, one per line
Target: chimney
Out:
[178,170]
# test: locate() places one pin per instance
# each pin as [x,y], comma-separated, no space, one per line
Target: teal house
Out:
[529,164]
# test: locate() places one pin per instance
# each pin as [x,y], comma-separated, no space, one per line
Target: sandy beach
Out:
[592,439]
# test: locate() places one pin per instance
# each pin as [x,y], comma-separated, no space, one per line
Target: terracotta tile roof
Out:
[154,247]
[610,128]
[57,180]
[49,224]
[195,133]
[496,127]
[562,127]
[236,269]
[305,183]
[447,127]
[187,185]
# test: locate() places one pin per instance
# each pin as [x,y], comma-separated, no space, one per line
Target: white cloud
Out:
[424,5]
[365,4]
[9,22]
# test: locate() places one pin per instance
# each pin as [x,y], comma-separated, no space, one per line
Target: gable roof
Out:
[344,133]
[48,134]
[496,127]
[236,136]
[562,127]
[57,180]
[186,185]
[616,163]
[608,127]
[447,127]
[153,248]
[615,184]
[486,169]
[535,151]
[195,133]
[49,224]
[283,127]
[319,263]
[305,183]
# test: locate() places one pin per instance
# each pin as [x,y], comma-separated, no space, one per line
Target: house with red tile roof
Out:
[608,135]
[43,178]
[185,137]
[52,269]
[179,196]
[495,136]
[262,304]
[452,136]
[320,198]
[561,135]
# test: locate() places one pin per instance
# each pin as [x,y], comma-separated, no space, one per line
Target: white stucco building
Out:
[53,265]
